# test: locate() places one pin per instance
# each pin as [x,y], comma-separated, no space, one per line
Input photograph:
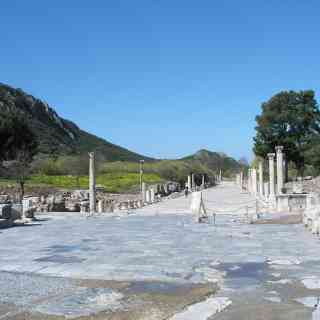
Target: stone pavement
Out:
[265,270]
[225,198]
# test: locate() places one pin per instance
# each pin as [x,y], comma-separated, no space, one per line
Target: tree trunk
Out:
[78,182]
[300,168]
[286,171]
[21,183]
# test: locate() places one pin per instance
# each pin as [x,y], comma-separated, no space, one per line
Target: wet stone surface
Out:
[159,256]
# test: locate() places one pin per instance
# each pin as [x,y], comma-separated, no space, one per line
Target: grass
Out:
[112,182]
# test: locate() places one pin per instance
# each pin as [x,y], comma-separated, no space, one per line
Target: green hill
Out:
[69,144]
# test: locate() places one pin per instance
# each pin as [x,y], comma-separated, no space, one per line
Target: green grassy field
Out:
[113,182]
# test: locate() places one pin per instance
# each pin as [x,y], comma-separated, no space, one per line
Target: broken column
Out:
[148,196]
[261,178]
[152,193]
[279,169]
[92,183]
[271,175]
[101,206]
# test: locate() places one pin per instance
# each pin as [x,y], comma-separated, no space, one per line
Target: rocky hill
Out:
[58,135]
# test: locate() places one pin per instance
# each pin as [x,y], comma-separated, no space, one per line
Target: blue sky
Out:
[162,78]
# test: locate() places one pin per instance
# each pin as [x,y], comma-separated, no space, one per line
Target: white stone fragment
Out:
[311,283]
[273,299]
[203,310]
[310,302]
[281,281]
[284,261]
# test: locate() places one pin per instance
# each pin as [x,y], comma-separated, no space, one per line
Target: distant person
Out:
[186,192]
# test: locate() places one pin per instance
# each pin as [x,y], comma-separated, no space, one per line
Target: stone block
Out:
[5,211]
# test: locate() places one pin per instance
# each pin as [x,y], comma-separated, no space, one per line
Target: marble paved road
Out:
[225,198]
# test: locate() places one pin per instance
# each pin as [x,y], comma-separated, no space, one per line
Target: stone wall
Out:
[304,186]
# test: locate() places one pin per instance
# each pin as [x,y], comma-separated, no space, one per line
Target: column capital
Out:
[279,149]
[271,156]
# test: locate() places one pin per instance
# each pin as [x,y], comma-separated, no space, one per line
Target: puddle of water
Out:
[257,270]
[60,259]
[156,287]
[63,248]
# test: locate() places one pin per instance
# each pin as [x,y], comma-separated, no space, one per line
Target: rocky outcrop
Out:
[56,134]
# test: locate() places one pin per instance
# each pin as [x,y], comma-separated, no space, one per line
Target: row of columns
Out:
[148,195]
[255,182]
[191,184]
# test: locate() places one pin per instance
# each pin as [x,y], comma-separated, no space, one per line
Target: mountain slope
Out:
[214,161]
[58,135]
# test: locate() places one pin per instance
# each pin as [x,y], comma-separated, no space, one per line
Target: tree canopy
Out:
[290,119]
[16,136]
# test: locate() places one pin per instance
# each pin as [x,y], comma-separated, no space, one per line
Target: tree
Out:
[290,119]
[18,146]
[76,166]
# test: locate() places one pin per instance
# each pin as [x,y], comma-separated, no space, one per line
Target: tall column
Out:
[254,181]
[266,190]
[271,175]
[189,183]
[193,185]
[261,178]
[144,190]
[220,175]
[92,183]
[249,181]
[202,183]
[241,180]
[279,168]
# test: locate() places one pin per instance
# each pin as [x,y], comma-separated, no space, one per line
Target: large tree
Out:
[18,145]
[290,119]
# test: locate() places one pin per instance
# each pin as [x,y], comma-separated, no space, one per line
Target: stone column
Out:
[202,184]
[101,208]
[254,181]
[148,196]
[189,183]
[220,175]
[152,193]
[261,178]
[193,185]
[279,169]
[241,180]
[92,183]
[266,190]
[271,175]
[144,187]
[249,180]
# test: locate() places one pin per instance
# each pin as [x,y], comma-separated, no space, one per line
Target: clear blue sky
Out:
[163,78]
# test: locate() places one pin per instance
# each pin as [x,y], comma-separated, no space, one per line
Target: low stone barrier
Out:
[311,214]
